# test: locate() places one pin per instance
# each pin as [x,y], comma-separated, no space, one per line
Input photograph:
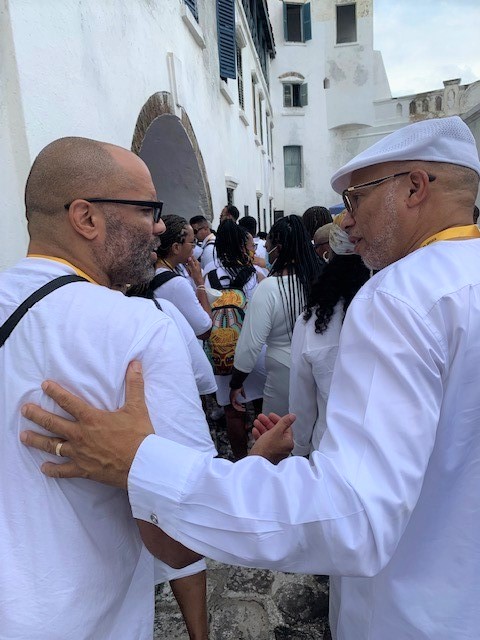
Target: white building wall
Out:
[343,83]
[87,68]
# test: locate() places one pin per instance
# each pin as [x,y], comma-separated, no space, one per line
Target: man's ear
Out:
[85,219]
[419,188]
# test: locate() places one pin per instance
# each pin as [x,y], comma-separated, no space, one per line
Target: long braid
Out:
[298,258]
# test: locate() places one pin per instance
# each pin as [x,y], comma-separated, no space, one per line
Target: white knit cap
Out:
[436,140]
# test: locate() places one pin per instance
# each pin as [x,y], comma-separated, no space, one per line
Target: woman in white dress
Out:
[315,340]
[272,312]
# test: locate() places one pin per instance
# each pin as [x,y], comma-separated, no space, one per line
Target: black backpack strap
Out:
[238,278]
[214,280]
[157,304]
[10,324]
[161,278]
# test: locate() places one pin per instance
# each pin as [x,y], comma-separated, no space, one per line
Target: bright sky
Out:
[424,42]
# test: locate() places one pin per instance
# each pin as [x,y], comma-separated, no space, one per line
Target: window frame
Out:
[301,97]
[305,18]
[300,184]
[338,9]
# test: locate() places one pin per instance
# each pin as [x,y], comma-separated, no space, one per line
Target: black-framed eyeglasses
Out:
[348,195]
[155,206]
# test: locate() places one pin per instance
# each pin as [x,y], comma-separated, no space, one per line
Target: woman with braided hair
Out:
[233,268]
[175,252]
[316,336]
[273,310]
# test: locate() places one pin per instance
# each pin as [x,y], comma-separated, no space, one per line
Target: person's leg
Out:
[257,405]
[191,595]
[237,431]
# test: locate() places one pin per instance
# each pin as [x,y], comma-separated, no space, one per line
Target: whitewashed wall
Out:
[87,68]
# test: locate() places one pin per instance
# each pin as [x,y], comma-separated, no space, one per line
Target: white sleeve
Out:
[302,394]
[346,511]
[181,294]
[202,368]
[256,327]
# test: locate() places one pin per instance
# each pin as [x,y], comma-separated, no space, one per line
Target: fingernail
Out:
[23,436]
[137,366]
[23,410]
[45,385]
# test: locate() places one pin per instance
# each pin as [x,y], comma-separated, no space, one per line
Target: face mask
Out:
[269,264]
[339,241]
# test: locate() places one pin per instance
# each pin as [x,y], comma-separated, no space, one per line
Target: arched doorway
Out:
[168,146]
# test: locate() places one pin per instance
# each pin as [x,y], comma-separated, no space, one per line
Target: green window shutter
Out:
[192,5]
[287,95]
[303,94]
[285,22]
[226,38]
[307,22]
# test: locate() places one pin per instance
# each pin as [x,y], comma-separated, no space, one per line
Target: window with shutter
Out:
[241,98]
[292,162]
[297,22]
[226,38]
[295,94]
[192,5]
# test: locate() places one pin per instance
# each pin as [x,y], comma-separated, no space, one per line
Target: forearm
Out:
[164,547]
[238,378]
[203,298]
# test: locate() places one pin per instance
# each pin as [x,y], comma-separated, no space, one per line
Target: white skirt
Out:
[253,385]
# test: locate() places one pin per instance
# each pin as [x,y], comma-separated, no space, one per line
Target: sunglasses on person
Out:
[155,206]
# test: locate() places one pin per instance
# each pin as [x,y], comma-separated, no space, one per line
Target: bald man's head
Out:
[71,168]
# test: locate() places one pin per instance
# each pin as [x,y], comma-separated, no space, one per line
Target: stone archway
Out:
[167,144]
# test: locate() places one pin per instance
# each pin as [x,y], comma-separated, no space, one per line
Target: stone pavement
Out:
[250,604]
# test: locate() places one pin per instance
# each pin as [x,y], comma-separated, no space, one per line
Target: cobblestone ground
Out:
[250,604]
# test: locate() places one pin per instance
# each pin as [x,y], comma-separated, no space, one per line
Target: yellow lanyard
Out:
[454,233]
[79,272]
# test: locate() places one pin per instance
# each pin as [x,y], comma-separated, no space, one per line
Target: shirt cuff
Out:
[157,480]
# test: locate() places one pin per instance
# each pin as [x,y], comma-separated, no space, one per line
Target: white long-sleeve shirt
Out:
[265,323]
[313,358]
[390,502]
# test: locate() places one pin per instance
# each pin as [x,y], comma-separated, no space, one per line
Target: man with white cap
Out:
[389,503]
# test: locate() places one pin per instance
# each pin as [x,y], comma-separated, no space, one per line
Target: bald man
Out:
[73,563]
